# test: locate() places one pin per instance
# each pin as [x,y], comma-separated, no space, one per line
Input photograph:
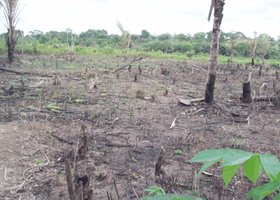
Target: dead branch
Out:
[127,64]
[83,150]
[61,139]
[69,180]
[159,163]
[118,145]
[21,73]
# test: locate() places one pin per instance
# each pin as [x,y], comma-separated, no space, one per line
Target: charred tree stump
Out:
[129,68]
[140,69]
[276,92]
[246,93]
[135,78]
[277,75]
[83,150]
[209,94]
[82,187]
[159,163]
[260,71]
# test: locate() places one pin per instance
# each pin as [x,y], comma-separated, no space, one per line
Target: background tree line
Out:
[37,42]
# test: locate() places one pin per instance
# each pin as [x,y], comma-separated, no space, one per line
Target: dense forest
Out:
[99,42]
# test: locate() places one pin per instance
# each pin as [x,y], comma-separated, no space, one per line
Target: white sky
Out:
[156,16]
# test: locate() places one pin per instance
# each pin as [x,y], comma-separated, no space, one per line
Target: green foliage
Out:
[52,107]
[178,152]
[154,191]
[133,160]
[38,161]
[254,163]
[172,197]
[157,193]
[179,47]
[145,34]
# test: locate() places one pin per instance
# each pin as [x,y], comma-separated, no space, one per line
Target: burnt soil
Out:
[127,123]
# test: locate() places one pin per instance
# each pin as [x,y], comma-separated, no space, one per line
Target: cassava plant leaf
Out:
[262,191]
[234,157]
[229,172]
[253,168]
[271,165]
[208,164]
[209,155]
[154,190]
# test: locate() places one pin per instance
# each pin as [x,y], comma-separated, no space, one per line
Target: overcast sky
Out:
[156,16]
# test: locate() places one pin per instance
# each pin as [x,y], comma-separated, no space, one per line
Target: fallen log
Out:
[21,73]
[128,64]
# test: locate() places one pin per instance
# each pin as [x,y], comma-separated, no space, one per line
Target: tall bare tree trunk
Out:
[22,43]
[263,55]
[253,56]
[231,54]
[125,53]
[218,16]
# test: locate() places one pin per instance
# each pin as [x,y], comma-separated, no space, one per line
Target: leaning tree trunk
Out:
[218,16]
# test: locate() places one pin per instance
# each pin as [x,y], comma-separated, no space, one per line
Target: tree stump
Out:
[246,93]
[83,149]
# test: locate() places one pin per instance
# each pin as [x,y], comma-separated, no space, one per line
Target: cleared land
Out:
[127,122]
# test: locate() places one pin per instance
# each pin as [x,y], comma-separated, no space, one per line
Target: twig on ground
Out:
[118,145]
[23,175]
[173,123]
[31,73]
[5,174]
[111,126]
[135,194]
[48,161]
[116,189]
[201,109]
[65,156]
[61,139]
[18,187]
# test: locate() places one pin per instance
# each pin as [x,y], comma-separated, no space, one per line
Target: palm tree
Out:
[126,38]
[218,7]
[11,11]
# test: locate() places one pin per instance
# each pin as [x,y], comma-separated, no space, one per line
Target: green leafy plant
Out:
[102,153]
[154,191]
[52,107]
[38,161]
[79,100]
[178,152]
[133,159]
[157,193]
[254,163]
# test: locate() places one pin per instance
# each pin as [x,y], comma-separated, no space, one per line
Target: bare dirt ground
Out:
[127,123]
